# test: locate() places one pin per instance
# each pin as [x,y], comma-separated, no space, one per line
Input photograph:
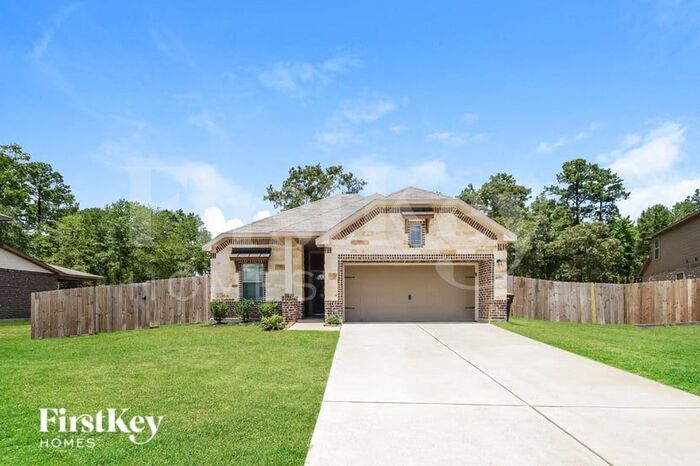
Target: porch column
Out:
[288,266]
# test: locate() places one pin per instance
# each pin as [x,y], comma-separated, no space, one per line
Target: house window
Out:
[253,281]
[680,276]
[415,235]
[656,249]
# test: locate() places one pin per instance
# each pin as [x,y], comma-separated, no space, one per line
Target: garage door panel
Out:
[409,293]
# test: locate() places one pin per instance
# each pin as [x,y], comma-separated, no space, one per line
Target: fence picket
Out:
[82,311]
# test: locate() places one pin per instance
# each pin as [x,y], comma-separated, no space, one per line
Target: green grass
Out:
[669,355]
[230,395]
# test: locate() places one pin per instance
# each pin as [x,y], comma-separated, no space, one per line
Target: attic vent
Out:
[417,210]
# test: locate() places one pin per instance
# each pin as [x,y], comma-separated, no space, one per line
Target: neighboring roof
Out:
[5,218]
[676,224]
[322,217]
[684,220]
[63,273]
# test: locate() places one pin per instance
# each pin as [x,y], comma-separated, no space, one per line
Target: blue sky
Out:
[201,107]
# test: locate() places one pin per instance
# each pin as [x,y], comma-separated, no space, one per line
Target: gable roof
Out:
[677,223]
[64,273]
[411,193]
[693,216]
[324,217]
[418,197]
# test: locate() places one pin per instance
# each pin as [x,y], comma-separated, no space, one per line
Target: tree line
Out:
[573,229]
[124,241]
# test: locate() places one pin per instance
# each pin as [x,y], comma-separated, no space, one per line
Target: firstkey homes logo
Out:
[139,429]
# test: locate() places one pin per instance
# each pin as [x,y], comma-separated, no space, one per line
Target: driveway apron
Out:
[476,394]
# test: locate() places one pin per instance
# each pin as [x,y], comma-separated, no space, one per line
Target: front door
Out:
[315,285]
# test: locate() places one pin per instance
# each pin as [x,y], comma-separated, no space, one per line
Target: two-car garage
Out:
[410,293]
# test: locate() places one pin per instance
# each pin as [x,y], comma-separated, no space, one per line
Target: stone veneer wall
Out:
[225,277]
[450,237]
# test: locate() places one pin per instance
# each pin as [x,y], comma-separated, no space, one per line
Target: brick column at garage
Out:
[489,308]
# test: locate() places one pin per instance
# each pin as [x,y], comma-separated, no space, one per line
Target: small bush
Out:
[244,308]
[273,322]
[267,309]
[218,310]
[334,319]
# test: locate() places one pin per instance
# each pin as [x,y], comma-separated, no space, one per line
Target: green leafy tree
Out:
[589,191]
[587,252]
[650,221]
[129,242]
[531,255]
[687,206]
[312,183]
[606,189]
[625,232]
[574,188]
[34,195]
[501,198]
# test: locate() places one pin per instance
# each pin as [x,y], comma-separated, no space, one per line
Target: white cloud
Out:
[648,163]
[666,190]
[398,129]
[340,129]
[450,137]
[385,177]
[336,137]
[545,147]
[469,117]
[261,215]
[655,152]
[42,45]
[364,111]
[446,136]
[290,77]
[204,120]
[215,221]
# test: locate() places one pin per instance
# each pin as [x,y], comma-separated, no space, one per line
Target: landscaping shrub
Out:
[267,309]
[244,308]
[334,319]
[218,310]
[273,322]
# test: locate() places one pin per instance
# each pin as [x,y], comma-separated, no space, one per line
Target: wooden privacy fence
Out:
[662,302]
[80,311]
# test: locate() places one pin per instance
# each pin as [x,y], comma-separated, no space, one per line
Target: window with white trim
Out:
[415,235]
[253,281]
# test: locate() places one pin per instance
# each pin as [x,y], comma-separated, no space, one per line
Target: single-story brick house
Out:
[413,255]
[21,275]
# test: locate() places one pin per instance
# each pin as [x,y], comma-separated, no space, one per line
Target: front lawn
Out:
[670,355]
[230,395]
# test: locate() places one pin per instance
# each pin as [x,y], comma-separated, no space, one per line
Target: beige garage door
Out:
[409,293]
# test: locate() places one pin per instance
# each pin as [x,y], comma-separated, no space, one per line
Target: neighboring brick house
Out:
[21,275]
[675,251]
[413,255]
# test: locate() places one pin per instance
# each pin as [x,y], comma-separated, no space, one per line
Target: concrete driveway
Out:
[476,394]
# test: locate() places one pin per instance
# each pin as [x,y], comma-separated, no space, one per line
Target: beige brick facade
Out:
[225,277]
